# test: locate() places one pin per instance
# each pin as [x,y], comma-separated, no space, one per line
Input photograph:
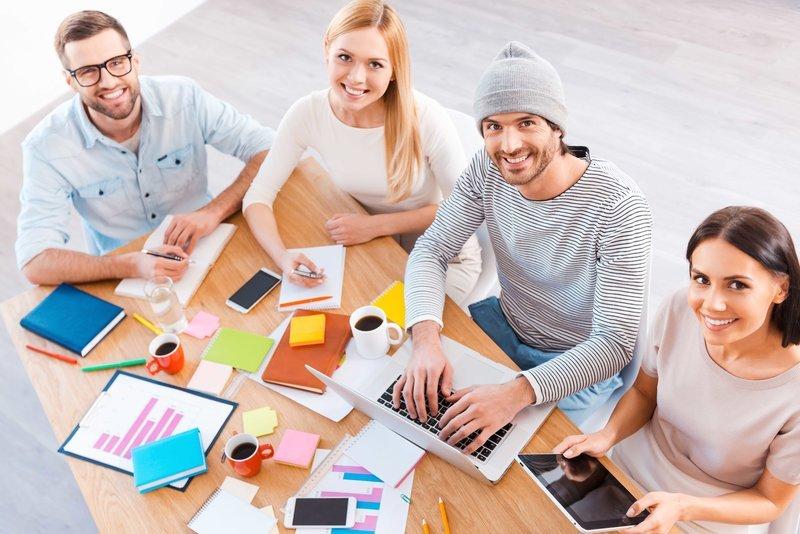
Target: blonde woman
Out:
[395,150]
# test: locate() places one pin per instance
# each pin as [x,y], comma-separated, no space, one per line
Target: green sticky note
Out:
[242,350]
[261,421]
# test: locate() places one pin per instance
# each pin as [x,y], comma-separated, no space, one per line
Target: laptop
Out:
[491,461]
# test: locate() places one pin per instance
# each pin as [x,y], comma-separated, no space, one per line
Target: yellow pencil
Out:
[425,529]
[444,516]
[147,324]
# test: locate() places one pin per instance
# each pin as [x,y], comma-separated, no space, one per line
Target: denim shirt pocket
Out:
[104,199]
[176,168]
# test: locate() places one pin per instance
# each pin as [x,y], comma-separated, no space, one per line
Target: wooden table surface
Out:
[308,199]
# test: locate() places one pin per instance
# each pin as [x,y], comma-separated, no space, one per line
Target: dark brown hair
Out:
[765,239]
[82,25]
[564,147]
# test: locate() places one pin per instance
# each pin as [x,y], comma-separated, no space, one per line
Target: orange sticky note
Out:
[307,330]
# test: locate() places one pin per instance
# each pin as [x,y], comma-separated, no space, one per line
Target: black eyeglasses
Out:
[89,75]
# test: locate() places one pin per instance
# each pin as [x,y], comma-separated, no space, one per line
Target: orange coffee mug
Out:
[167,353]
[245,454]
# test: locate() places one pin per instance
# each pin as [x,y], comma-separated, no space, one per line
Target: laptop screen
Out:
[584,488]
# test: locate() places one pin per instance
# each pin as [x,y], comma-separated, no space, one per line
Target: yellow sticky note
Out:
[307,330]
[261,421]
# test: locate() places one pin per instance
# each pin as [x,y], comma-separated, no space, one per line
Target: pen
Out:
[307,274]
[165,256]
[444,516]
[56,355]
[304,301]
[147,324]
[425,529]
[115,365]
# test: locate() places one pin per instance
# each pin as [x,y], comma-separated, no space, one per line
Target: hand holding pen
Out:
[166,260]
[298,269]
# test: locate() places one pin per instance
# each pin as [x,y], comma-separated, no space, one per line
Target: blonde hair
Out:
[401,126]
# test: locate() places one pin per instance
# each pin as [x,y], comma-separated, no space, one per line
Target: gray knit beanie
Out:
[520,81]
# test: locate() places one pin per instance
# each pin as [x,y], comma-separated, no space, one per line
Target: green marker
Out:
[115,365]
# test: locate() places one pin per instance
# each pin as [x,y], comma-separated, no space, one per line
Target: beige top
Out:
[711,425]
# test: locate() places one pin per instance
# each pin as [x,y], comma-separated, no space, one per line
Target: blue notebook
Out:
[164,461]
[73,319]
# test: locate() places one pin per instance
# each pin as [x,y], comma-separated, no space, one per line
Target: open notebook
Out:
[205,254]
[327,295]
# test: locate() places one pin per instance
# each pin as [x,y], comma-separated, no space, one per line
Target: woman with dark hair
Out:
[712,425]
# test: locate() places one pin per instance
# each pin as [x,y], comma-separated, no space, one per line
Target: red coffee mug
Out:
[171,361]
[250,465]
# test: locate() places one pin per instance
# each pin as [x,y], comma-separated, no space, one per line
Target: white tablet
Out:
[582,488]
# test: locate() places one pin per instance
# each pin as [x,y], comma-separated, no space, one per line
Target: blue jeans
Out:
[578,406]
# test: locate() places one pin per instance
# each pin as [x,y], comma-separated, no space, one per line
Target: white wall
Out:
[30,73]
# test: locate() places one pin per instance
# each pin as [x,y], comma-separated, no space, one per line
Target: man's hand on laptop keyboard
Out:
[483,410]
[421,379]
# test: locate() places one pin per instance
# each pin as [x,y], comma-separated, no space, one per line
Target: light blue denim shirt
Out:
[68,162]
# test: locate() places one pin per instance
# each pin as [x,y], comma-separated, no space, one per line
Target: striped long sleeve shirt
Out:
[573,269]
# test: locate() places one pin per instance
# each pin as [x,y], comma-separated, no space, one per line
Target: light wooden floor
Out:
[698,101]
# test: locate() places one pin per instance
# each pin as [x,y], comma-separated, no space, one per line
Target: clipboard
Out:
[97,437]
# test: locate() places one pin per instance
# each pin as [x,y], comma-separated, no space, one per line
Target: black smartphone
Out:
[255,289]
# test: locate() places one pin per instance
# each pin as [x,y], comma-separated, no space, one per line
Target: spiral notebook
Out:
[327,295]
[223,513]
[392,302]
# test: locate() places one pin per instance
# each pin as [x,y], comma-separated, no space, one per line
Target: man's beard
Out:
[99,106]
[541,159]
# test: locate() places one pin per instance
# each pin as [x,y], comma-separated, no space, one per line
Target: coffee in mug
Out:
[167,353]
[245,454]
[373,333]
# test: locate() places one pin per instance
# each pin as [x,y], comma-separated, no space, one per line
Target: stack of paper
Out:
[210,377]
[202,325]
[261,421]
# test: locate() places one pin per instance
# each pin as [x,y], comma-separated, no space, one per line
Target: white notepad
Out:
[223,513]
[387,455]
[204,255]
[331,259]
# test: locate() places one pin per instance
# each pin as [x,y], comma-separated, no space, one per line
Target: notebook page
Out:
[224,513]
[331,259]
[206,252]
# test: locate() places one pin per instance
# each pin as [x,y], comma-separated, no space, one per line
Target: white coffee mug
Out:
[371,332]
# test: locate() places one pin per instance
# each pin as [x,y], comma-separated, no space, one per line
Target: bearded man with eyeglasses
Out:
[125,152]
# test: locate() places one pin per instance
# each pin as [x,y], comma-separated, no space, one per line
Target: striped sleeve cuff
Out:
[421,318]
[534,384]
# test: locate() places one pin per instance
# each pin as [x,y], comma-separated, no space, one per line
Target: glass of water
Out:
[167,309]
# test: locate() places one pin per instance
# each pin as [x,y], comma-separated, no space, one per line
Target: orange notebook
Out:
[286,368]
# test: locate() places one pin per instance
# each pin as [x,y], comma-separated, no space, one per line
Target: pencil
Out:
[56,355]
[147,324]
[115,365]
[425,529]
[304,301]
[444,516]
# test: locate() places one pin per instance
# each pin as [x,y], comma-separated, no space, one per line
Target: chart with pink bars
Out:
[133,412]
[379,509]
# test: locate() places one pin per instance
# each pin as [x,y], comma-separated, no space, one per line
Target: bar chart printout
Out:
[379,509]
[134,411]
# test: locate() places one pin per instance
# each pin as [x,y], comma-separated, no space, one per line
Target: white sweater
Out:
[356,158]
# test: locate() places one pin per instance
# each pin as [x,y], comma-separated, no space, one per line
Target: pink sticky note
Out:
[203,324]
[297,448]
[210,377]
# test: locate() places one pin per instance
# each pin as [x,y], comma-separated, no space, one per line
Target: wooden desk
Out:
[307,200]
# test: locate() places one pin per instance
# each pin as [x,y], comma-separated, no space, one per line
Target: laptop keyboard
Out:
[483,452]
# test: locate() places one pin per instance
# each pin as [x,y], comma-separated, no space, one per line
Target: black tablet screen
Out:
[584,488]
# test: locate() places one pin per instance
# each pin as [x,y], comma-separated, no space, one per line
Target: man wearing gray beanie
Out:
[571,235]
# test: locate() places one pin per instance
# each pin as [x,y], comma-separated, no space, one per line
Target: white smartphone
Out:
[255,289]
[327,512]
